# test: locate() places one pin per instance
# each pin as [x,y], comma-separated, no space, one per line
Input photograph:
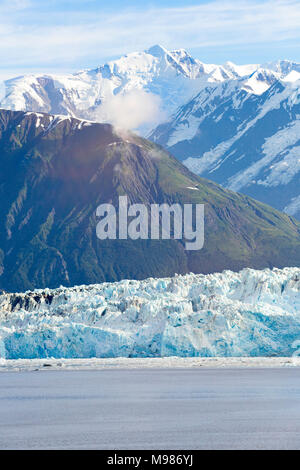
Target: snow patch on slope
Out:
[276,148]
[294,207]
[185,131]
[292,77]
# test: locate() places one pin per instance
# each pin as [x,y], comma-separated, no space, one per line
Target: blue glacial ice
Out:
[250,313]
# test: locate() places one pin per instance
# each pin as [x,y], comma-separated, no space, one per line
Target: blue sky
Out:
[69,35]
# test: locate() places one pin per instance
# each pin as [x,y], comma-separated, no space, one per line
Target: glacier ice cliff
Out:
[250,313]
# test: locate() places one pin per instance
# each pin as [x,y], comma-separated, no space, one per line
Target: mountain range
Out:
[246,142]
[175,76]
[56,170]
[236,125]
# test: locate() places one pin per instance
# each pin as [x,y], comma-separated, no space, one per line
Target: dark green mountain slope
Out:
[56,171]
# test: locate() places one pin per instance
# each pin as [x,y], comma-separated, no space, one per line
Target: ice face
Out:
[250,313]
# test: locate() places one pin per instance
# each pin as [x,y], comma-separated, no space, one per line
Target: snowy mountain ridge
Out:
[175,76]
[234,124]
[250,313]
[246,142]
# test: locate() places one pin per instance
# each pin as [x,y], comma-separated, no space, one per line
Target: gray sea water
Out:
[151,409]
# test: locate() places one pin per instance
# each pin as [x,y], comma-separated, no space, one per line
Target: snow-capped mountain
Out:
[250,313]
[223,121]
[174,76]
[244,134]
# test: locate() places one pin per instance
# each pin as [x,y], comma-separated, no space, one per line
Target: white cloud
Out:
[31,36]
[130,111]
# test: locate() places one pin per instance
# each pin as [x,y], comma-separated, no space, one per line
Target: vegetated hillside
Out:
[55,171]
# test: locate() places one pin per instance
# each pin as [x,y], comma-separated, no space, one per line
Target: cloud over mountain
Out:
[131,111]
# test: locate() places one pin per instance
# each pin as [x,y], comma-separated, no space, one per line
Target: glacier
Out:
[246,314]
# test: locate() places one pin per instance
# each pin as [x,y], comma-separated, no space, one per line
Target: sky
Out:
[69,35]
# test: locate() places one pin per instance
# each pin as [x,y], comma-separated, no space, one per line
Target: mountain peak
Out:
[157,50]
[292,77]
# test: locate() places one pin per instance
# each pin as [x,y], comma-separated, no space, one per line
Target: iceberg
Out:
[246,314]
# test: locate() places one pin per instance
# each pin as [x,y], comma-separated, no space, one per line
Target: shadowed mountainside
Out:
[55,171]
